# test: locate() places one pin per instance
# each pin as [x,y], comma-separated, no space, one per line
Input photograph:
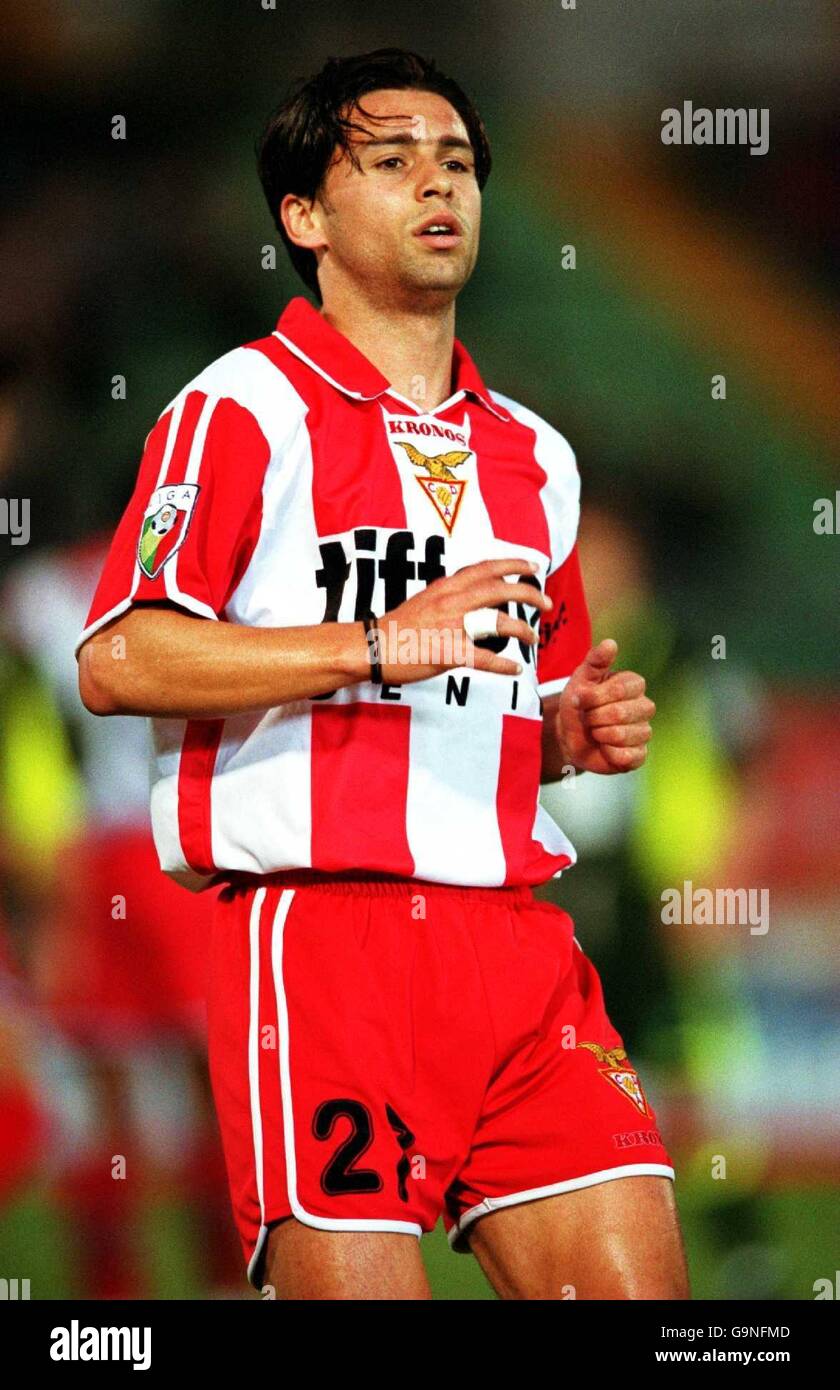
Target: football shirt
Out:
[290,484]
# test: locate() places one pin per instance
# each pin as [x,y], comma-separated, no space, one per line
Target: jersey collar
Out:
[306,333]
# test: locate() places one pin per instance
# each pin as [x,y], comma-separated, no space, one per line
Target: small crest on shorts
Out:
[624,1078]
[165,524]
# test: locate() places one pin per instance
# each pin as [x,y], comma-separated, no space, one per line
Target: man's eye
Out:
[460,163]
[392,159]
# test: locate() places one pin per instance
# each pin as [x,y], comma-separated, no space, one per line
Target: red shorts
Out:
[384,1052]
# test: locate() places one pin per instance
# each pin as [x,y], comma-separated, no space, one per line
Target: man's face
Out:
[416,168]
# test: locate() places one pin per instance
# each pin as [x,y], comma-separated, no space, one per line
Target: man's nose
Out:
[432,179]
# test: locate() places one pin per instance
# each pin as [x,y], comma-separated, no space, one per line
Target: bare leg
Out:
[615,1240]
[305,1263]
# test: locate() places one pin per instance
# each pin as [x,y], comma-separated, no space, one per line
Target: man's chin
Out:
[445,279]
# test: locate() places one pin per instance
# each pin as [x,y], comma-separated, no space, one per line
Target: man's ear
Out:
[301,218]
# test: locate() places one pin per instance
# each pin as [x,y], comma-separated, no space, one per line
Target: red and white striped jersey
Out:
[290,484]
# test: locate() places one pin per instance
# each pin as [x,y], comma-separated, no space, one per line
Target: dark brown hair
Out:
[300,137]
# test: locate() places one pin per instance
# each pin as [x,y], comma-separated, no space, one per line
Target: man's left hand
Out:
[602,718]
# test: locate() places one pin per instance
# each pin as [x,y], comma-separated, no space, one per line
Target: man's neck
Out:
[412,348]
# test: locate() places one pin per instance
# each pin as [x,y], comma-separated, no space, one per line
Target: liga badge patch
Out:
[165,524]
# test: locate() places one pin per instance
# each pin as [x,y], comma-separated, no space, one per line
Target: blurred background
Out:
[143,259]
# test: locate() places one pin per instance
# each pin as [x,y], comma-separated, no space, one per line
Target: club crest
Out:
[440,484]
[624,1078]
[165,524]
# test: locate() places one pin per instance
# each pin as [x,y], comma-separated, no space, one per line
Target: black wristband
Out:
[373,637]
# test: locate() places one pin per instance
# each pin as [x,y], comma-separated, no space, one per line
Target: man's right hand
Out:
[426,635]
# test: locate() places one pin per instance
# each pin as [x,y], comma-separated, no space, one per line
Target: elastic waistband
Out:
[358,881]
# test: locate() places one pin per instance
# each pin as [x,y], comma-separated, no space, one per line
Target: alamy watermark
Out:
[725,125]
[718,907]
[395,646]
[14,1289]
[14,519]
[79,1342]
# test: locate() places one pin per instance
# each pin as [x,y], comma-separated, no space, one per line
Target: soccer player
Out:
[346,592]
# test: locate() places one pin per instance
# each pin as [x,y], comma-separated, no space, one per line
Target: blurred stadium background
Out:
[144,258]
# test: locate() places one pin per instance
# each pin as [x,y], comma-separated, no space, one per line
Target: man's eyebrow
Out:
[405,137]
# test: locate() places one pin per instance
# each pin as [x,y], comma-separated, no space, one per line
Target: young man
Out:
[398,1030]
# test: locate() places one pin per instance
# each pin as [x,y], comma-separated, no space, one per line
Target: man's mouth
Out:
[440,231]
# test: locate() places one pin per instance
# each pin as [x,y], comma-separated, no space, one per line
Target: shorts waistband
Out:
[358,881]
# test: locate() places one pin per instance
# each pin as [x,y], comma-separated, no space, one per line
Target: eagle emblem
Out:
[440,484]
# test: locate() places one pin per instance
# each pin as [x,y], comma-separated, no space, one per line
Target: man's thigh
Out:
[614,1240]
[303,1262]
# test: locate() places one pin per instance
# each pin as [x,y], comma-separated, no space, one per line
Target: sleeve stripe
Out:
[171,435]
[199,439]
[193,468]
[208,443]
[186,414]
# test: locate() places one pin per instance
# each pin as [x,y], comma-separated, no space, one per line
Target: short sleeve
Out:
[566,630]
[189,530]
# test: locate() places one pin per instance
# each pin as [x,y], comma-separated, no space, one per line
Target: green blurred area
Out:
[734,1252]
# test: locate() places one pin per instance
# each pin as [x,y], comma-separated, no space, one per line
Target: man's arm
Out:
[172,665]
[160,661]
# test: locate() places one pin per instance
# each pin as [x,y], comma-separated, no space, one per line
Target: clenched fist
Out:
[600,722]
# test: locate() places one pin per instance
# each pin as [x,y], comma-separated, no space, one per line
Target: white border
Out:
[170,574]
[254,1065]
[195,605]
[628,1170]
[299,352]
[389,390]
